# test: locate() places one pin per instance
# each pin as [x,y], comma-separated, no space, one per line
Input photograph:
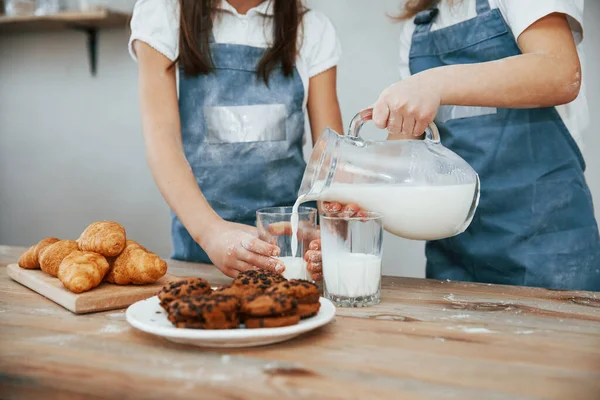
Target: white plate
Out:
[148,316]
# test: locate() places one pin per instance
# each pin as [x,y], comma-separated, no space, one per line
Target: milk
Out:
[295,268]
[294,224]
[351,274]
[411,212]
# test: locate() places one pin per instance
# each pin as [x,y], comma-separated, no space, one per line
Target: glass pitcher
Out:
[424,190]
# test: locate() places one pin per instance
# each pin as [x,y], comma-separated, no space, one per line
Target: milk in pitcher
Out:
[411,212]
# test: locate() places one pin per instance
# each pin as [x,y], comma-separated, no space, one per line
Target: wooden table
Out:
[426,340]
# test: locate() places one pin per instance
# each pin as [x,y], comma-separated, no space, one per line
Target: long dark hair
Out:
[196,23]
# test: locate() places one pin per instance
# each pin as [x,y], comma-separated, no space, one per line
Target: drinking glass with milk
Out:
[352,249]
[292,233]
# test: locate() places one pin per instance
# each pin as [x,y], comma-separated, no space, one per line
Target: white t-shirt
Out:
[519,15]
[156,22]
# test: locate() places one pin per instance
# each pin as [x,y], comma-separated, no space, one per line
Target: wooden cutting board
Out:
[104,297]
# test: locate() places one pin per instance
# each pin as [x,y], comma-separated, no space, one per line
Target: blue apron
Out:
[535,223]
[242,138]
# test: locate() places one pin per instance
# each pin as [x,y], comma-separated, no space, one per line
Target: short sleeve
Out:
[156,23]
[405,42]
[520,14]
[321,47]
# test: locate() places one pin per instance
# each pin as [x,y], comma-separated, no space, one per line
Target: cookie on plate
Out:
[265,305]
[212,311]
[181,288]
[269,311]
[260,280]
[238,290]
[304,292]
[272,322]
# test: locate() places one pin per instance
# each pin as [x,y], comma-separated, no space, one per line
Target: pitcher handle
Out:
[432,133]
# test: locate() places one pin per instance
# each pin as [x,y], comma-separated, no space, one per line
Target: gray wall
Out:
[71,149]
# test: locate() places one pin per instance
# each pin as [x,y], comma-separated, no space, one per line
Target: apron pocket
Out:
[244,124]
[447,113]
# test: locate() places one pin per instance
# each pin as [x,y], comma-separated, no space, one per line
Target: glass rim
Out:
[371,216]
[277,210]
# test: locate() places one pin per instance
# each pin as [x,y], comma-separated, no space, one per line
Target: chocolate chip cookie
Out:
[260,280]
[268,305]
[212,311]
[272,322]
[184,287]
[304,292]
[269,311]
[237,290]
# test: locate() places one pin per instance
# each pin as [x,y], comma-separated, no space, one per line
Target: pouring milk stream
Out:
[424,190]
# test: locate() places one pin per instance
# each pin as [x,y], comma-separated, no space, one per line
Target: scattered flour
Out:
[114,328]
[524,332]
[477,330]
[116,315]
[59,340]
[469,329]
[65,339]
[219,377]
[460,316]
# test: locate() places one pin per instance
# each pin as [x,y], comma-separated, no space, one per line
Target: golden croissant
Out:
[53,255]
[81,271]
[105,238]
[31,258]
[136,265]
[28,259]
[43,245]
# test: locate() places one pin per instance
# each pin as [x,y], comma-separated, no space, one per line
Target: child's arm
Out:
[323,107]
[548,73]
[232,247]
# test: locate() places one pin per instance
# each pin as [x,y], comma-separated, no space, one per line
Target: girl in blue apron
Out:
[503,80]
[224,90]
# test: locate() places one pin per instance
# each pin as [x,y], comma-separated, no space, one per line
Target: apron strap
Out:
[424,19]
[482,6]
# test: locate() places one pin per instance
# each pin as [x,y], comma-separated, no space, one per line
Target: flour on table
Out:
[114,328]
[469,329]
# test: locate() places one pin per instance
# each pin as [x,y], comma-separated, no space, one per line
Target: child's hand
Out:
[314,263]
[407,107]
[349,210]
[235,248]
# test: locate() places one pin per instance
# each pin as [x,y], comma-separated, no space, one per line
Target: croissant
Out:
[105,238]
[54,254]
[136,265]
[81,271]
[28,260]
[43,245]
[31,258]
